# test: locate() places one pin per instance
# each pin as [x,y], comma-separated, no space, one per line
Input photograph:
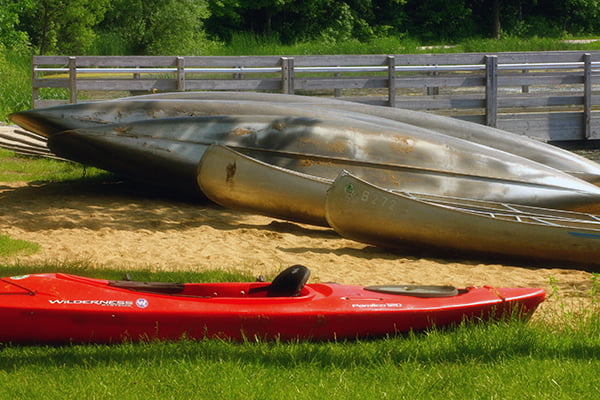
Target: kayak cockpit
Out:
[289,283]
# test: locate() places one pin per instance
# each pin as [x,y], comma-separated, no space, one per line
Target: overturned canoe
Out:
[367,213]
[521,145]
[167,151]
[47,121]
[61,308]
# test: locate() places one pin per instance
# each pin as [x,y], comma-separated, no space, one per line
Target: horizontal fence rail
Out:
[552,96]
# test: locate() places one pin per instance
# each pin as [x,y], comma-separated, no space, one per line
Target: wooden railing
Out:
[547,95]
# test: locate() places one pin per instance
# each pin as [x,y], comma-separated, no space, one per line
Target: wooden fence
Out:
[547,95]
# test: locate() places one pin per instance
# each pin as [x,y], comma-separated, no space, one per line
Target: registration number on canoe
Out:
[367,196]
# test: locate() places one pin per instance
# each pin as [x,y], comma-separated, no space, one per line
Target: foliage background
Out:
[195,27]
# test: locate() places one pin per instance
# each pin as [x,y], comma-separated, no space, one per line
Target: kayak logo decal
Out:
[142,303]
[377,305]
[103,303]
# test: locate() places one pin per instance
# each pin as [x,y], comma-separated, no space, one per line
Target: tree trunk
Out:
[496,28]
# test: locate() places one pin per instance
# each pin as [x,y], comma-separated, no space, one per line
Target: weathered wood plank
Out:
[340,83]
[441,102]
[441,81]
[133,85]
[545,126]
[40,103]
[50,83]
[531,100]
[235,85]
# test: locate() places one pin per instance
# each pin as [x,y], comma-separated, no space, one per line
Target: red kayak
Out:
[62,308]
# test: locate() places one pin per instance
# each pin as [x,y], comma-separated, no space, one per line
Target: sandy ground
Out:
[119,224]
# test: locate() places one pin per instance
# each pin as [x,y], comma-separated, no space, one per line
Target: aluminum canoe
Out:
[364,212]
[47,121]
[521,145]
[167,151]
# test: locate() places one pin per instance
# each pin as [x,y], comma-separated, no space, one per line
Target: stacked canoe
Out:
[296,157]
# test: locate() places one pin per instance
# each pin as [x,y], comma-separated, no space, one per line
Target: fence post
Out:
[391,62]
[287,75]
[35,92]
[525,88]
[73,80]
[180,74]
[491,90]
[433,90]
[337,92]
[587,95]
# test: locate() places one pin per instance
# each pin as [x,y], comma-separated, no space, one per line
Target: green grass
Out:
[15,82]
[14,168]
[496,360]
[503,360]
[9,247]
[83,268]
[221,370]
[247,44]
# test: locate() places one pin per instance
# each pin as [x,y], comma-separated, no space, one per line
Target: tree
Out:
[440,20]
[11,35]
[64,26]
[159,26]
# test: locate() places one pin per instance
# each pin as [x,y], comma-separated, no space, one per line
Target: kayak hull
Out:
[61,308]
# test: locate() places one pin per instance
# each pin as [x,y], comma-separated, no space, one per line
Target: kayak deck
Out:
[61,308]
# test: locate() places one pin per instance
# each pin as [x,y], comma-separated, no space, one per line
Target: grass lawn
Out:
[504,360]
[497,360]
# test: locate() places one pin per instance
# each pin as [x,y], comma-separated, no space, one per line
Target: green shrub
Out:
[15,81]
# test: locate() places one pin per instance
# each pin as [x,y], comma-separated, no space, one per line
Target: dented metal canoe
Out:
[364,212]
[521,145]
[167,151]
[51,120]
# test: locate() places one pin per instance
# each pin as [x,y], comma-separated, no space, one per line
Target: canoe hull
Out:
[238,181]
[520,145]
[59,308]
[367,213]
[88,115]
